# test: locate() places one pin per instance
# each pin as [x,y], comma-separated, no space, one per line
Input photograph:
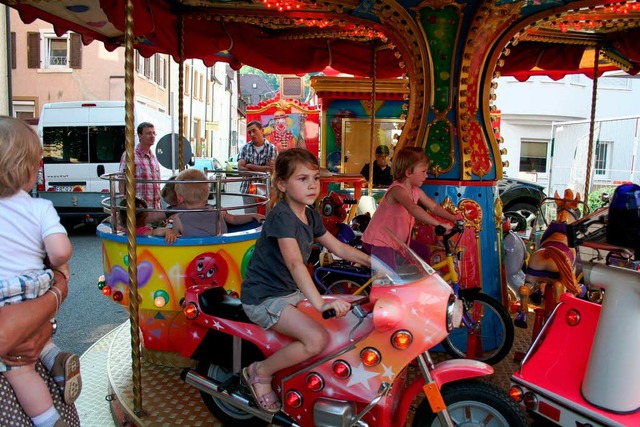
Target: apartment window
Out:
[533,155]
[187,79]
[185,125]
[602,159]
[196,82]
[24,109]
[160,70]
[50,52]
[614,82]
[227,83]
[143,66]
[147,67]
[152,68]
[201,87]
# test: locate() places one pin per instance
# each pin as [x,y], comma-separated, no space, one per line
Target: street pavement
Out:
[86,314]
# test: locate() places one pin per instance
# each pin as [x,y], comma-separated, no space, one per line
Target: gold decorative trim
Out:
[475,223]
[448,205]
[472,141]
[358,85]
[498,212]
[406,36]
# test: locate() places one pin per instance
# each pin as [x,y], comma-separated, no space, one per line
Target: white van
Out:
[82,141]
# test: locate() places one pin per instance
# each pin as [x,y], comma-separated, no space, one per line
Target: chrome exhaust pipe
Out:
[236,399]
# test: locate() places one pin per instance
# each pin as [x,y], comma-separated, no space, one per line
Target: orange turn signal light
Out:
[370,357]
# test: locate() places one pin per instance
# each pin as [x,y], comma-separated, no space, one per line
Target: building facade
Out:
[530,109]
[47,68]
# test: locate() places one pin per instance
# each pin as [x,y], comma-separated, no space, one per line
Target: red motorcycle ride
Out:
[364,376]
[582,369]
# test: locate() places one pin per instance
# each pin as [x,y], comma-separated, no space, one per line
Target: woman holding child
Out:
[33,283]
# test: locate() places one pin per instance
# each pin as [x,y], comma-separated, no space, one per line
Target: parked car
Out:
[232,163]
[212,168]
[520,201]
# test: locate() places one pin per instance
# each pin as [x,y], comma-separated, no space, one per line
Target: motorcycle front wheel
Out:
[227,414]
[473,403]
[487,322]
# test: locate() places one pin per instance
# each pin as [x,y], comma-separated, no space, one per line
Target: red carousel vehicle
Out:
[443,55]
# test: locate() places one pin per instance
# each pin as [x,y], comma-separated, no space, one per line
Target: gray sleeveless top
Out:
[201,224]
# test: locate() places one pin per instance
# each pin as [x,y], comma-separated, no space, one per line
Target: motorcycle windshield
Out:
[398,264]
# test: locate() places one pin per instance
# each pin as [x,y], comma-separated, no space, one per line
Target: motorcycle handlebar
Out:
[328,314]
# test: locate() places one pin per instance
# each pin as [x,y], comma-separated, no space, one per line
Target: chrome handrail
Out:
[111,204]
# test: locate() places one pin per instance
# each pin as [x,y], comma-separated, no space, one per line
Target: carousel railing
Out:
[259,190]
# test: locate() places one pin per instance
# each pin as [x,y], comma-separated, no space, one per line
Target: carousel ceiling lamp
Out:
[282,5]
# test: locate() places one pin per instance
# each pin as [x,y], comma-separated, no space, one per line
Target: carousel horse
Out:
[551,268]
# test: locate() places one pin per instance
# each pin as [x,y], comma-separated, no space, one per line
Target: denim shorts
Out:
[267,313]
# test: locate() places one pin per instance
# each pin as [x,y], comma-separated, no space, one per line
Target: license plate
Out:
[69,188]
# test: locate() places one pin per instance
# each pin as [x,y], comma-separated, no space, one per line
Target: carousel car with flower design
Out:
[165,271]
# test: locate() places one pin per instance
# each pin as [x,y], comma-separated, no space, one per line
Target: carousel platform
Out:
[107,394]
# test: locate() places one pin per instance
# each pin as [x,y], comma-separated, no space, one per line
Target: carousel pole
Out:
[374,60]
[130,186]
[181,93]
[594,92]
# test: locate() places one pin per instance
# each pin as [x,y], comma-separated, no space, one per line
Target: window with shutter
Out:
[56,53]
[33,50]
[156,74]
[162,73]
[147,67]
[75,51]
[152,68]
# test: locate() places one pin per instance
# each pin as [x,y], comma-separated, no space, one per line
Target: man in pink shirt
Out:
[147,168]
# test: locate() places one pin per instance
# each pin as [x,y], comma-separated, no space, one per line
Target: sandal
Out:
[66,374]
[266,401]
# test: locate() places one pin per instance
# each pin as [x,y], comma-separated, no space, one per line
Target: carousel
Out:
[432,64]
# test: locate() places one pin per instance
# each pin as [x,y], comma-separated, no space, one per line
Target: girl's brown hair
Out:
[286,164]
[405,160]
[20,154]
[141,216]
[192,192]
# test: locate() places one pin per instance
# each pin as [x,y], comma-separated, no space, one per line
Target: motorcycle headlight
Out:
[454,313]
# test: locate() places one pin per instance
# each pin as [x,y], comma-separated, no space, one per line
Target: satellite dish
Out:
[164,153]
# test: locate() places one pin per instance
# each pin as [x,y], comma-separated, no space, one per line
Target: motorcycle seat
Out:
[216,302]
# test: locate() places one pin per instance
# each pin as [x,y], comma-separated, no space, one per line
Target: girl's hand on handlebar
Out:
[340,306]
[447,226]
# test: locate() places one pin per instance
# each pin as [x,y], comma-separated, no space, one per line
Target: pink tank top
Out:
[392,216]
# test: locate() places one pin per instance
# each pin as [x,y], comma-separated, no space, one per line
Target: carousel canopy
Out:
[300,36]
